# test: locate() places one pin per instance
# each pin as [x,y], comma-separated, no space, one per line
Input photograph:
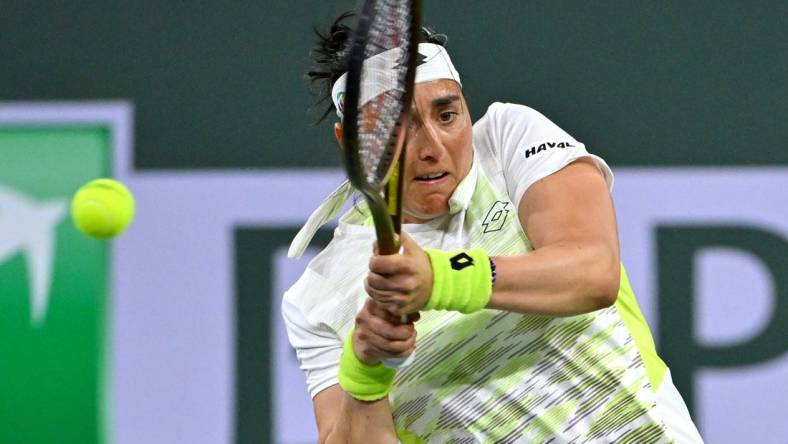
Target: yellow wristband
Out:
[461,280]
[360,380]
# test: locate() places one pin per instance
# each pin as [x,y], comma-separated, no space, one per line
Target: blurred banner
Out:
[172,332]
[53,283]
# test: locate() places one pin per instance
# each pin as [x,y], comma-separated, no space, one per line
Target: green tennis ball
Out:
[102,208]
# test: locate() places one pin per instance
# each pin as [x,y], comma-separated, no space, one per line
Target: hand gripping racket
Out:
[378,93]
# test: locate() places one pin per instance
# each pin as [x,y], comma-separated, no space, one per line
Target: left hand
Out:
[401,283]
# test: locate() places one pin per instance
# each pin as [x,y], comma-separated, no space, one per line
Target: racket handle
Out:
[400,362]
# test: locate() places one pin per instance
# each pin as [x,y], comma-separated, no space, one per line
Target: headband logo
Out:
[340,101]
[401,62]
[420,59]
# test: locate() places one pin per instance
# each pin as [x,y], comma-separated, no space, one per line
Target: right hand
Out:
[380,335]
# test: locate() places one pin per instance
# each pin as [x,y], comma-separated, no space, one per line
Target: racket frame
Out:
[386,210]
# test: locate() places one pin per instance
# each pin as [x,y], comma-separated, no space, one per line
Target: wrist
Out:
[360,355]
[361,380]
[462,280]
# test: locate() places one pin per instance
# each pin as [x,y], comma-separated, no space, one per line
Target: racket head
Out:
[381,69]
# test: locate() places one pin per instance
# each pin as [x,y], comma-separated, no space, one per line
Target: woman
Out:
[527,328]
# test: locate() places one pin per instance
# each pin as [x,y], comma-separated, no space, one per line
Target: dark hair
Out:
[328,57]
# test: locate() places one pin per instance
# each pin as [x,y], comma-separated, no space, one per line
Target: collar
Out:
[461,197]
[331,205]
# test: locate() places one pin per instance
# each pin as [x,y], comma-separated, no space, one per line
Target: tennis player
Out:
[524,325]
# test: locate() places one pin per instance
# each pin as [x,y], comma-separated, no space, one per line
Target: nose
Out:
[425,143]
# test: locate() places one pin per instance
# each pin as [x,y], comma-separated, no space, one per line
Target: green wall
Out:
[220,84]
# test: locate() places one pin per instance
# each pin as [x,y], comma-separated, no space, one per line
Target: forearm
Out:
[357,409]
[361,422]
[561,279]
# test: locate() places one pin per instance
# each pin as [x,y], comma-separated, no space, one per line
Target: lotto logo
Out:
[461,261]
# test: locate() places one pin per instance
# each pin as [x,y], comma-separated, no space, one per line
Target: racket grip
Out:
[400,362]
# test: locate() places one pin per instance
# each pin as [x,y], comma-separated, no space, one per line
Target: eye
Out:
[447,116]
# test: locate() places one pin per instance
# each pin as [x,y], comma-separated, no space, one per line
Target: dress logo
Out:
[496,217]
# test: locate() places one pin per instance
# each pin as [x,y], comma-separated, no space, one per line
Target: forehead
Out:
[429,91]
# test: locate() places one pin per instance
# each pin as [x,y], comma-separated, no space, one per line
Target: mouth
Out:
[431,177]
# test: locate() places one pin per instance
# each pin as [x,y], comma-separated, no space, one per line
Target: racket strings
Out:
[379,118]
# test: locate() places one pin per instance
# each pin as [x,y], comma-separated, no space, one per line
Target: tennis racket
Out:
[378,93]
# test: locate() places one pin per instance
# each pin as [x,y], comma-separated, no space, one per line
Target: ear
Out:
[339,133]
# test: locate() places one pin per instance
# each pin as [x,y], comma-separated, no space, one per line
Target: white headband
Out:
[381,77]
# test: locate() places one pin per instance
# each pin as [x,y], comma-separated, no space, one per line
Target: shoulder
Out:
[507,127]
[525,146]
[502,113]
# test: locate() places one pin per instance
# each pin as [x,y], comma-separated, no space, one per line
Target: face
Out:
[439,150]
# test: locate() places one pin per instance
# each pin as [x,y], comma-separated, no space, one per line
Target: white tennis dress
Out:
[493,376]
